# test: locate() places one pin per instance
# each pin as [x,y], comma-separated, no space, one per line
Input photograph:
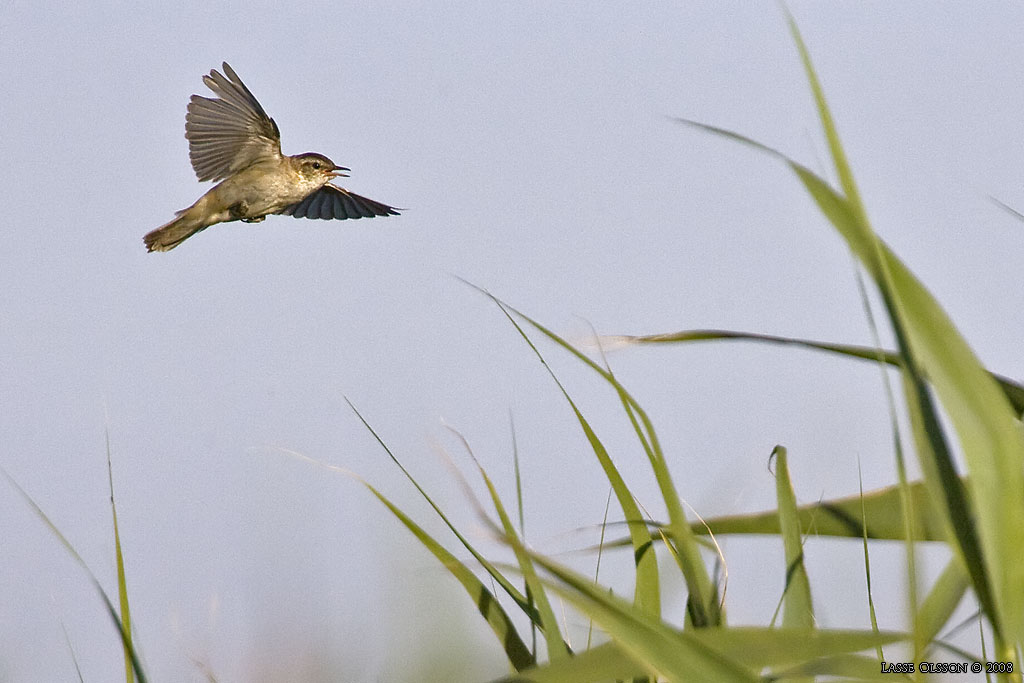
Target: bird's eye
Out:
[316,165]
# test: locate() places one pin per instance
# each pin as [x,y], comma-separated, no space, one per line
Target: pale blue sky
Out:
[532,147]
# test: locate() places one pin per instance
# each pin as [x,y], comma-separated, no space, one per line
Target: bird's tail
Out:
[170,235]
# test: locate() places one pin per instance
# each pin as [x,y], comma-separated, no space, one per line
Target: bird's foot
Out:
[257,219]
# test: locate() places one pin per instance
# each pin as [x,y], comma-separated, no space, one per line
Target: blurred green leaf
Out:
[557,648]
[518,654]
[940,603]
[606,662]
[841,517]
[798,607]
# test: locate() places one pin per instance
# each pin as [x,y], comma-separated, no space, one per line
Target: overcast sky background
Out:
[532,147]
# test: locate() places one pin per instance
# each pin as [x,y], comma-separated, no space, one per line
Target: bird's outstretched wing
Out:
[331,201]
[230,133]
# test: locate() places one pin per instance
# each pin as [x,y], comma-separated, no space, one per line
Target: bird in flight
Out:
[231,139]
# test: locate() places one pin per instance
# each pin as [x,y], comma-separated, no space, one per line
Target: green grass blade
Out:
[799,608]
[702,607]
[989,433]
[609,661]
[718,653]
[845,174]
[984,419]
[522,520]
[522,601]
[932,448]
[1013,390]
[557,647]
[939,480]
[122,582]
[647,594]
[501,625]
[136,665]
[758,647]
[845,667]
[600,554]
[938,606]
[74,657]
[867,561]
[673,655]
[519,479]
[909,513]
[1007,208]
[111,610]
[602,663]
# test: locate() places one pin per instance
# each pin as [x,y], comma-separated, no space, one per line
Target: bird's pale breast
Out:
[264,189]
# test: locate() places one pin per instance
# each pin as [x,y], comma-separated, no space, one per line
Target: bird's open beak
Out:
[339,172]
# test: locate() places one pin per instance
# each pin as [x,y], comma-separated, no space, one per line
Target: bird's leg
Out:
[238,212]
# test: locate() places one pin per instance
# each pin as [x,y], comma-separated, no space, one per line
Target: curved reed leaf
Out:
[1013,390]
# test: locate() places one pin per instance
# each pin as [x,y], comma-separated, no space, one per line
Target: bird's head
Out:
[316,166]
